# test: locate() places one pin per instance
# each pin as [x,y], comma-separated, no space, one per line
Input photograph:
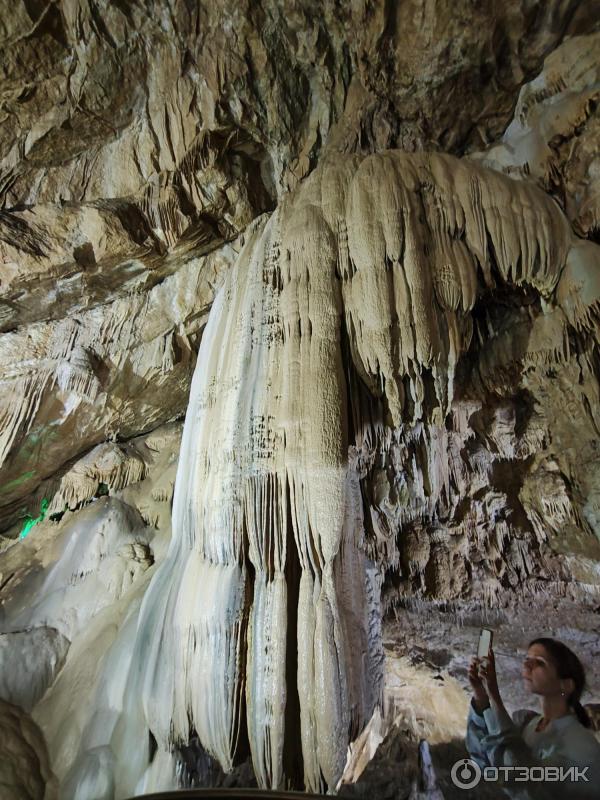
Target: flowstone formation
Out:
[356,247]
[336,335]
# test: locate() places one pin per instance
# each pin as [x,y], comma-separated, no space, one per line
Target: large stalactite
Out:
[268,601]
[393,431]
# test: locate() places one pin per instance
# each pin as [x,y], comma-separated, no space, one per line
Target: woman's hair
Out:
[568,666]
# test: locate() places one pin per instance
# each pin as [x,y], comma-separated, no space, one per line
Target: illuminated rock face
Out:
[395,404]
[326,420]
[368,273]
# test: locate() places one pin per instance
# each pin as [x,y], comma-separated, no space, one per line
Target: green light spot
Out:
[31,521]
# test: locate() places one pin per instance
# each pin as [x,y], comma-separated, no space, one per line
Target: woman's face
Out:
[539,673]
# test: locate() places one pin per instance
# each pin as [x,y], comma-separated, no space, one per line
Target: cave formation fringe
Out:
[268,602]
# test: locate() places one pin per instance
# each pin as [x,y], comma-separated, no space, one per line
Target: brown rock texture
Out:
[356,246]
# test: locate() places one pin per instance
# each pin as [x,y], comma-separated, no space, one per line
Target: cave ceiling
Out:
[323,278]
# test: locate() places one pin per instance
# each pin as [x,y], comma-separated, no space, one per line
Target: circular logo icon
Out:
[465,773]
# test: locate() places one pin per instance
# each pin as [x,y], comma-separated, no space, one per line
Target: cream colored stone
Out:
[396,403]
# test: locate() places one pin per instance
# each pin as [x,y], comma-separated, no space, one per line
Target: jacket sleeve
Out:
[476,733]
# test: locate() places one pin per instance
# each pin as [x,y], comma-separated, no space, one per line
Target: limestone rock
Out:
[87,574]
[553,137]
[314,229]
[25,773]
[29,663]
[266,466]
[69,384]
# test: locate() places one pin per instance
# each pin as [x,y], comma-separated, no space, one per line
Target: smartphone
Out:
[485,642]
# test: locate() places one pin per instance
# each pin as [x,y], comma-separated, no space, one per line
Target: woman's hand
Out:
[479,692]
[474,679]
[488,677]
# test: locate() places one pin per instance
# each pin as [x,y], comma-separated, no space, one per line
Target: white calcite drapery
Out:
[267,606]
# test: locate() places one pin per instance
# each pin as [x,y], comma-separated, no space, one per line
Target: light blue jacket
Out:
[496,740]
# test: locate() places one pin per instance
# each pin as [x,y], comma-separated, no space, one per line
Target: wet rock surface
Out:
[380,222]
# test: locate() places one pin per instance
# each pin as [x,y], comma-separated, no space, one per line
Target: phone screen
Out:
[485,641]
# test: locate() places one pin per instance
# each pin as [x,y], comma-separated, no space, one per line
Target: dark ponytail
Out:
[568,666]
[580,713]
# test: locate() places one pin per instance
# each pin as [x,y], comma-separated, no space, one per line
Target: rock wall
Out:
[357,248]
[360,286]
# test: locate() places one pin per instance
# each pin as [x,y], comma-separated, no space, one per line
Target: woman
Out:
[558,737]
